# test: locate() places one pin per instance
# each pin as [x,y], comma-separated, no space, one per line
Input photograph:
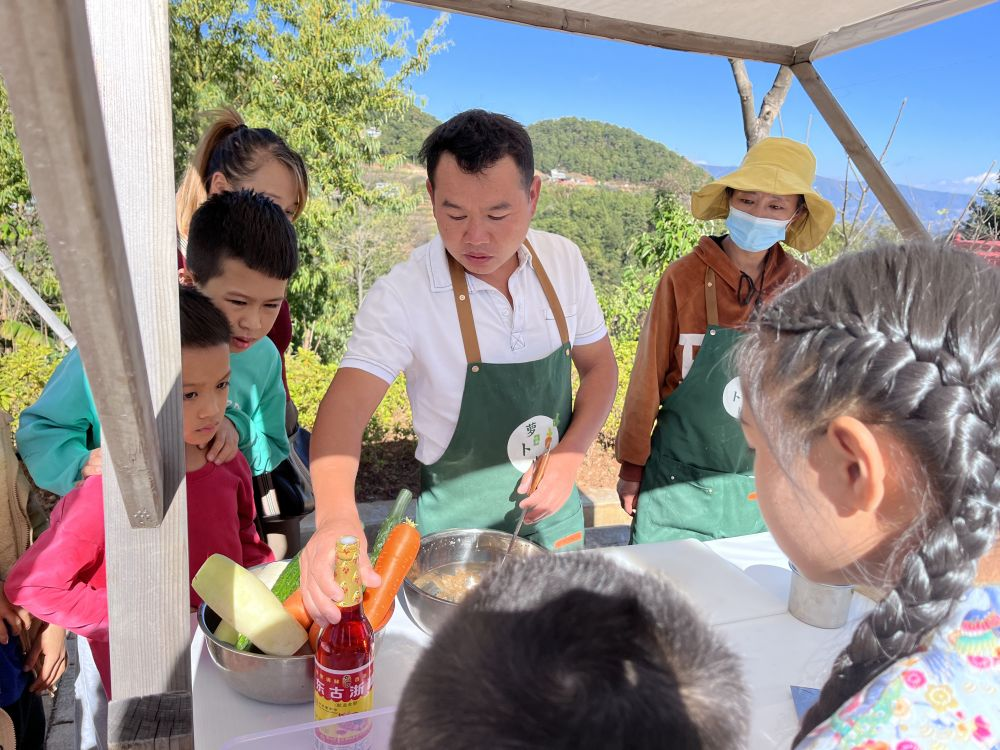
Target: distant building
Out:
[373,132]
[557,175]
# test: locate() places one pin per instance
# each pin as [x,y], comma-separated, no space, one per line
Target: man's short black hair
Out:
[567,652]
[246,226]
[479,139]
[203,325]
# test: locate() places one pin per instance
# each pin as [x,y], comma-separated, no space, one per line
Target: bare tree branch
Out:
[770,106]
[757,126]
[745,89]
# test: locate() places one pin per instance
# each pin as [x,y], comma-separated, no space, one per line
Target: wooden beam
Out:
[889,24]
[45,61]
[885,189]
[148,567]
[607,27]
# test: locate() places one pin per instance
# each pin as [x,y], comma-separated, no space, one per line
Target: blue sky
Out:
[948,136]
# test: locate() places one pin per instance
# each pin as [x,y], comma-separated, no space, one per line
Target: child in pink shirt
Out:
[62,578]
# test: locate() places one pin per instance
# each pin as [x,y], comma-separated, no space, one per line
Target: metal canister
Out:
[822,605]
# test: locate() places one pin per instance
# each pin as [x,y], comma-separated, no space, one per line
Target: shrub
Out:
[625,356]
[308,379]
[24,371]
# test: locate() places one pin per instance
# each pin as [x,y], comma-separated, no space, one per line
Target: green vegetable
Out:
[288,581]
[395,517]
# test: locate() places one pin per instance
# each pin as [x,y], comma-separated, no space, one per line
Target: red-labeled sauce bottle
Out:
[345,657]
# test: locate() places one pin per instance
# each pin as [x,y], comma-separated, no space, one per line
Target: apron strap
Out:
[711,305]
[466,323]
[550,294]
[460,288]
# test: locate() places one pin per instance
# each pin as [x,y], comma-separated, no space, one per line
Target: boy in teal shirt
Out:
[241,252]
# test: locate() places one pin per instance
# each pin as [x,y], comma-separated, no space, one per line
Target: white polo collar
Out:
[440,277]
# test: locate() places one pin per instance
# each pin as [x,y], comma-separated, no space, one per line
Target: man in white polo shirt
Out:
[484,321]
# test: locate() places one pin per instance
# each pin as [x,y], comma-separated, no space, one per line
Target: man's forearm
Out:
[335,447]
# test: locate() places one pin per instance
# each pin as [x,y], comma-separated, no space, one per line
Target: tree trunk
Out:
[756,127]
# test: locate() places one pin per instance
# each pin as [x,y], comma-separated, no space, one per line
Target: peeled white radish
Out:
[242,600]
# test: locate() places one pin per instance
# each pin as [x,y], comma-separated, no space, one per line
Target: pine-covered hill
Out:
[609,153]
[404,136]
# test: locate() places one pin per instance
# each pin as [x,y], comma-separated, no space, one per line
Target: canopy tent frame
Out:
[89,88]
[566,15]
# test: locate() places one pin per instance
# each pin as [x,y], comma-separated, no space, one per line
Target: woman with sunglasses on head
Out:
[686,470]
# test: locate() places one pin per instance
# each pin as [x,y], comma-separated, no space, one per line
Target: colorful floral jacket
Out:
[945,696]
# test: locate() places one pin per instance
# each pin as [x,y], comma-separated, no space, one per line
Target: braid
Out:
[908,338]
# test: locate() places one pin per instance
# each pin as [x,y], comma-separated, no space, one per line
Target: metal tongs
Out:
[540,463]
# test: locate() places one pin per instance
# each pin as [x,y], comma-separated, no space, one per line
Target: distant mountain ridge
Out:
[610,153]
[928,204]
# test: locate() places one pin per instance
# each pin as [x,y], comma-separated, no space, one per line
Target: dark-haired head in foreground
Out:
[574,652]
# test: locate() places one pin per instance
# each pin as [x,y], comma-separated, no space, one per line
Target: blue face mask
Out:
[752,233]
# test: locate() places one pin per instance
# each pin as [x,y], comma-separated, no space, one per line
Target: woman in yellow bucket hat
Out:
[686,470]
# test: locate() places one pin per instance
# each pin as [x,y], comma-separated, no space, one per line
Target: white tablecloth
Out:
[749,608]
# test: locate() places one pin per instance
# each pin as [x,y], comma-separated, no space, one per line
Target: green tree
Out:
[14,189]
[601,221]
[212,58]
[673,233]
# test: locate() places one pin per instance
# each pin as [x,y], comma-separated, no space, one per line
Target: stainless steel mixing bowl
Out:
[271,679]
[450,547]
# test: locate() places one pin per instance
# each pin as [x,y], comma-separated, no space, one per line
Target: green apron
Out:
[510,414]
[698,480]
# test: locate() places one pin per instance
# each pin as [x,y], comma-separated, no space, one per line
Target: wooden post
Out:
[49,67]
[885,189]
[131,55]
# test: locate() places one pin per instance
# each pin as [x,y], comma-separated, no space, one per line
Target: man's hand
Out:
[628,495]
[93,466]
[555,487]
[223,446]
[320,592]
[47,657]
[18,619]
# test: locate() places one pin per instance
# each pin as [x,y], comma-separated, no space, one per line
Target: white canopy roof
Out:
[781,31]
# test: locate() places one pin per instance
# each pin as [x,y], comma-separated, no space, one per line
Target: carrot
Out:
[297,609]
[314,631]
[393,564]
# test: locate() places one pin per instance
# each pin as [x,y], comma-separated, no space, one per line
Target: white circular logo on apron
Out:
[531,439]
[732,398]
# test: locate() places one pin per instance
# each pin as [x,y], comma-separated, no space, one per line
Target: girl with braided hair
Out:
[872,401]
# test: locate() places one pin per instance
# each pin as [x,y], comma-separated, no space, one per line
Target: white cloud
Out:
[987,178]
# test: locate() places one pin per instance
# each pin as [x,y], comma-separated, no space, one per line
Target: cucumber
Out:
[395,516]
[288,581]
[242,600]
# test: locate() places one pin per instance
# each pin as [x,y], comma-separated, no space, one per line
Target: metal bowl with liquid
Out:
[473,552]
